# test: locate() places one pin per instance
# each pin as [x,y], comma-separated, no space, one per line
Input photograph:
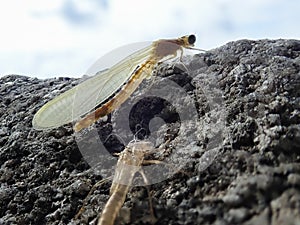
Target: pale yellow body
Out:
[123,77]
[129,163]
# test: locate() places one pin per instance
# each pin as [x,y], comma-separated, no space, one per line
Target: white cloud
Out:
[64,37]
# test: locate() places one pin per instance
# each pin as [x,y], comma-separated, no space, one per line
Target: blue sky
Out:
[65,37]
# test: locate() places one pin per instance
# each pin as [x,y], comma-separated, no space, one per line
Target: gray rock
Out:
[237,161]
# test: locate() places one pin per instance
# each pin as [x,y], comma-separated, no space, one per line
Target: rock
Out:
[233,127]
[285,209]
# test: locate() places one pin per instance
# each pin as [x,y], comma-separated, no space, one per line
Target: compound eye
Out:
[192,39]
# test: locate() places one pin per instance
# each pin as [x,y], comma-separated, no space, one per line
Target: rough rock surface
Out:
[253,173]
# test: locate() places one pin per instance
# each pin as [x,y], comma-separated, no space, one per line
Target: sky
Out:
[63,38]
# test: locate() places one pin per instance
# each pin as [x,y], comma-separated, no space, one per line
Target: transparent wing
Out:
[84,97]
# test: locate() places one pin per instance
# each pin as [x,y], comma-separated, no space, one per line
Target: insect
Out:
[129,163]
[107,90]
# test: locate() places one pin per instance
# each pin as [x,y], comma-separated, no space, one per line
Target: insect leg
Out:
[153,218]
[99,183]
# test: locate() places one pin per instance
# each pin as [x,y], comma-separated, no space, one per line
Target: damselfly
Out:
[107,90]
